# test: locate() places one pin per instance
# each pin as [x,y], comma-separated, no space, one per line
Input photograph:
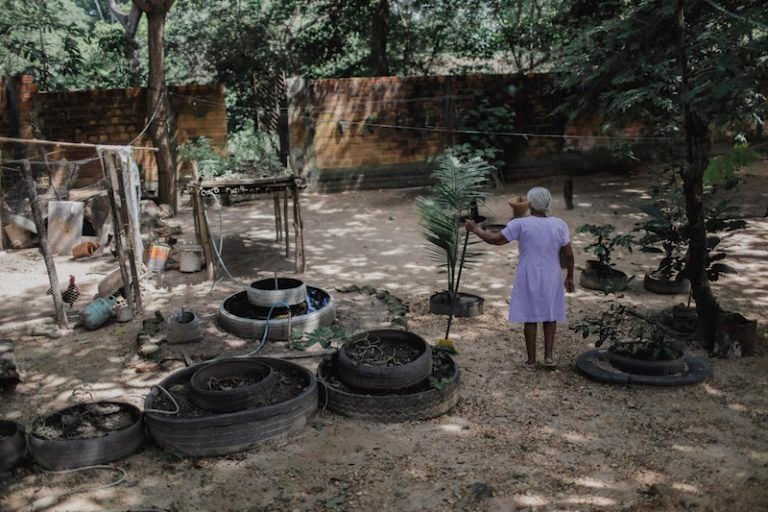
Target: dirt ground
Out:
[517,440]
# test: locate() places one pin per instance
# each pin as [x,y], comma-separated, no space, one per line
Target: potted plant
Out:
[459,187]
[635,345]
[666,232]
[599,274]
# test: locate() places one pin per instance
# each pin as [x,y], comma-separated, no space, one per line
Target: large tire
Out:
[13,445]
[75,453]
[659,284]
[220,434]
[467,305]
[588,363]
[233,399]
[366,376]
[595,277]
[289,291]
[278,329]
[392,408]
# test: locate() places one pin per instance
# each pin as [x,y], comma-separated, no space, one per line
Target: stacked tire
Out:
[397,393]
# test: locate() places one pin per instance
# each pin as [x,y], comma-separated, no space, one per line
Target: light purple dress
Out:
[538,294]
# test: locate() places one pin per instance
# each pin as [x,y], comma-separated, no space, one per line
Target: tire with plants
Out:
[105,446]
[659,284]
[266,292]
[374,376]
[467,305]
[637,366]
[392,408]
[209,390]
[13,445]
[597,277]
[223,433]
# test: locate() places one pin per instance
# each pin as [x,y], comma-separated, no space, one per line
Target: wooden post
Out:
[295,231]
[285,220]
[2,200]
[119,244]
[278,221]
[50,266]
[129,235]
[205,237]
[301,261]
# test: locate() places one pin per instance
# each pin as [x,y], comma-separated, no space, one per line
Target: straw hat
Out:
[519,206]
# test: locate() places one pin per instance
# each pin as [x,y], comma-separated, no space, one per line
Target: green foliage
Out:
[458,186]
[724,167]
[323,336]
[605,242]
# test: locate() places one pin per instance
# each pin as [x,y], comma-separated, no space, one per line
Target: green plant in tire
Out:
[459,186]
[605,242]
[627,333]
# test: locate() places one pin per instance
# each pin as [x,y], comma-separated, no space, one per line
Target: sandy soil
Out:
[517,440]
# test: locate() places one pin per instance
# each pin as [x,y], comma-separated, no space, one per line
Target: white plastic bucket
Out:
[190,258]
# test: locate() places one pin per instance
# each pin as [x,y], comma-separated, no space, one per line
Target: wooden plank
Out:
[119,243]
[67,144]
[130,235]
[50,266]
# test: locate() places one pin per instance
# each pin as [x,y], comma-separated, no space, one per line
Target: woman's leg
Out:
[549,340]
[529,331]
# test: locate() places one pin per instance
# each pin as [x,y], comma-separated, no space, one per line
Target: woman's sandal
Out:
[528,366]
[550,364]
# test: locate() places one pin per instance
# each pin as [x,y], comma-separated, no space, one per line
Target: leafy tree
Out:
[680,67]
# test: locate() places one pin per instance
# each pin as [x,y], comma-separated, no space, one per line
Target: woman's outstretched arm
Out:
[486,236]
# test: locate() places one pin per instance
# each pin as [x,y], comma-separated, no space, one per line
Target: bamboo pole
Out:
[285,221]
[278,221]
[129,235]
[296,267]
[119,246]
[2,200]
[50,266]
[71,144]
[301,231]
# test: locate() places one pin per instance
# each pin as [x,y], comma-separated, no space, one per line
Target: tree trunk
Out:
[696,129]
[379,34]
[158,111]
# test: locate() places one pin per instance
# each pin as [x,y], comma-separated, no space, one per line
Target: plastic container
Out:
[190,258]
[158,257]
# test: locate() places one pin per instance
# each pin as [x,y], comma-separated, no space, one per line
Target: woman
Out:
[537,295]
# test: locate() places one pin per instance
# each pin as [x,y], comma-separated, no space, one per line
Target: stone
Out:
[148,349]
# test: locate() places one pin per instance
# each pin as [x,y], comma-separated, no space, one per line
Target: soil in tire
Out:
[86,421]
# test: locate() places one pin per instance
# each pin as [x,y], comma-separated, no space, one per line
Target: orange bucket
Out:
[158,257]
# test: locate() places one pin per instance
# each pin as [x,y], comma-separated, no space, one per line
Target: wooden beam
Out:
[119,245]
[50,266]
[71,144]
[130,237]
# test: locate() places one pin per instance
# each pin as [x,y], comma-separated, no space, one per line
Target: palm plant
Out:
[458,187]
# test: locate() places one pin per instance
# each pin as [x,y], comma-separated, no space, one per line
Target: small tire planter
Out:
[238,316]
[201,434]
[657,283]
[13,445]
[230,396]
[283,290]
[595,365]
[384,342]
[87,434]
[183,327]
[600,277]
[411,404]
[467,305]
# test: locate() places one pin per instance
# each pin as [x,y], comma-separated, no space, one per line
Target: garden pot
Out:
[467,305]
[283,290]
[655,282]
[600,277]
[106,445]
[183,327]
[13,445]
[236,398]
[190,258]
[412,404]
[637,366]
[388,341]
[519,206]
[223,433]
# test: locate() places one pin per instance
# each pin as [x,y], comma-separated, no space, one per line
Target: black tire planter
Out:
[235,317]
[638,366]
[263,293]
[220,434]
[391,408]
[596,277]
[656,283]
[367,376]
[467,305]
[183,327]
[13,446]
[234,399]
[592,364]
[75,453]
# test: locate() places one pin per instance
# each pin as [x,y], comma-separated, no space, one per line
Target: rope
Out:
[152,118]
[170,397]
[51,500]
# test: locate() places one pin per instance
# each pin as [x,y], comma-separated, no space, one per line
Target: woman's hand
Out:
[469,225]
[569,287]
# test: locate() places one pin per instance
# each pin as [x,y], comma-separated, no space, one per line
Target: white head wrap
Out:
[539,199]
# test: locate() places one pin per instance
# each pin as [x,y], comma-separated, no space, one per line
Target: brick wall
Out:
[112,116]
[379,132]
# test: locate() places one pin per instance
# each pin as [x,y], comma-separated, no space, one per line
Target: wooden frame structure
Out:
[284,190]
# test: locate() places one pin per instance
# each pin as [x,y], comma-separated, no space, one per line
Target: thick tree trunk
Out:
[158,111]
[379,35]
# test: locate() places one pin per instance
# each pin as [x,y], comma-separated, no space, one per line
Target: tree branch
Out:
[129,21]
